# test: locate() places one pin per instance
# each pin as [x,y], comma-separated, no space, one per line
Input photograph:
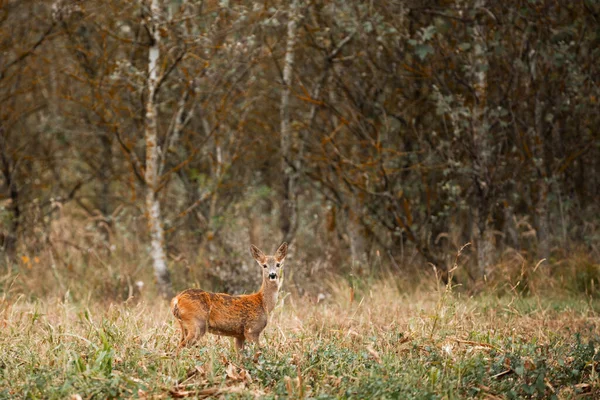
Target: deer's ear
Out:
[258,255]
[281,252]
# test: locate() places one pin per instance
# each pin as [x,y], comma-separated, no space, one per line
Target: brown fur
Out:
[243,317]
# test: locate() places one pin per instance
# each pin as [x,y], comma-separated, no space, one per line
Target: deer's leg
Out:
[239,343]
[190,334]
[183,333]
[252,336]
[195,329]
[201,325]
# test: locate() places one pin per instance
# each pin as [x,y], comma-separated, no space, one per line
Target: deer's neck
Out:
[269,292]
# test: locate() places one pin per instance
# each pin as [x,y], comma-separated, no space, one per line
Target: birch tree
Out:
[153,211]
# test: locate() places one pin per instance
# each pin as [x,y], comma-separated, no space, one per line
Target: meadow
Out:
[146,145]
[379,339]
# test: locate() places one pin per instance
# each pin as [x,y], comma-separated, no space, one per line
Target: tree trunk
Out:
[542,188]
[106,176]
[511,232]
[288,217]
[482,147]
[9,242]
[356,236]
[157,251]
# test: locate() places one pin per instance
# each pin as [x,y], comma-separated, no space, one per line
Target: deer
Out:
[243,317]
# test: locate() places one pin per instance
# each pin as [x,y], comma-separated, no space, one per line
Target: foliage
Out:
[412,127]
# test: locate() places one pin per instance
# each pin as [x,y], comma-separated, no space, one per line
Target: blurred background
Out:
[145,144]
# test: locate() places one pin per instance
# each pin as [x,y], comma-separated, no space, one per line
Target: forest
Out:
[435,159]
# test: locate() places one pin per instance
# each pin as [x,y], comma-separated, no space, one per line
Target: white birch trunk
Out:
[288,218]
[157,250]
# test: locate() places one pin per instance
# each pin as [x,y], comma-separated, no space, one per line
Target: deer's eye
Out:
[264,265]
[278,265]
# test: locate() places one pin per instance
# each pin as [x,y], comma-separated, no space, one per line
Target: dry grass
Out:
[74,324]
[379,342]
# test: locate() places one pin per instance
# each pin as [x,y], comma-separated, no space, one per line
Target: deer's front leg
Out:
[252,335]
[239,343]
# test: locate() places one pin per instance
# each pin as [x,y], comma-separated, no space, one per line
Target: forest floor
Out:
[375,343]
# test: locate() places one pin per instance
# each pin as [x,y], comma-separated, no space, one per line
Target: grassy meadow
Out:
[145,146]
[375,340]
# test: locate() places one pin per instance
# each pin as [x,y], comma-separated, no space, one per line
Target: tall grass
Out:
[374,343]
[80,318]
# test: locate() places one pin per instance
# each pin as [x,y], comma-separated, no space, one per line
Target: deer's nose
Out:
[272,275]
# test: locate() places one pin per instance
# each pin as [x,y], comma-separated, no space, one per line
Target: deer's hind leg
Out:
[183,333]
[192,330]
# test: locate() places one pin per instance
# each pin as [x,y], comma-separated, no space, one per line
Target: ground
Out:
[370,343]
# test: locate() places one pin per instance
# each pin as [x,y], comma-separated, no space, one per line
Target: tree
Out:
[19,48]
[153,209]
[482,145]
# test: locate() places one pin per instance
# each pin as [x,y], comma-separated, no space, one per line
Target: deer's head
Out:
[270,265]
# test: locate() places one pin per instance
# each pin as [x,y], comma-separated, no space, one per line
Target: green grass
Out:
[381,345]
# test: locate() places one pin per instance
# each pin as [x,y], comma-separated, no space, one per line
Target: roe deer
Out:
[244,317]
